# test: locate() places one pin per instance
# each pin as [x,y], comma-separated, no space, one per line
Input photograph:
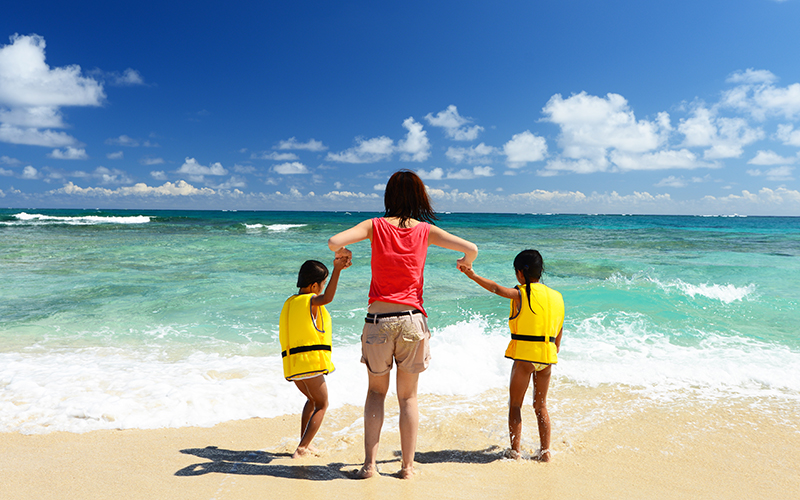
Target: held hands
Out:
[343,259]
[465,267]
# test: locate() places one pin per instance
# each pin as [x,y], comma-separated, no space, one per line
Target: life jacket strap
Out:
[306,348]
[531,338]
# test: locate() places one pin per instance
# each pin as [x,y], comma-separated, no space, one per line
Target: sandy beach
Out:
[684,448]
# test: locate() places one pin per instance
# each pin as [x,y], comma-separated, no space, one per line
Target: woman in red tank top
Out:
[396,328]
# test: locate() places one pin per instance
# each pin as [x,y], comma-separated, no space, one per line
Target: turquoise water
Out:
[118,319]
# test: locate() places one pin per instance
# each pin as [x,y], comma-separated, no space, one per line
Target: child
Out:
[536,322]
[305,335]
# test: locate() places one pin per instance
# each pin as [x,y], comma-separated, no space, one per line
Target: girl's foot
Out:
[305,452]
[512,454]
[544,456]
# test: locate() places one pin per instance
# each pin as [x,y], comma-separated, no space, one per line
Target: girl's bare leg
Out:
[517,387]
[316,391]
[373,422]
[541,383]
[409,419]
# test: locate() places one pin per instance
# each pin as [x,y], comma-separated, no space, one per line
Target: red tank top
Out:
[398,260]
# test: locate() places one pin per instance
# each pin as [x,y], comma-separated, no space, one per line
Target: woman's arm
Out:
[359,232]
[442,238]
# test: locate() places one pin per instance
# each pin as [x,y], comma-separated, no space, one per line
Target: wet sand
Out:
[607,443]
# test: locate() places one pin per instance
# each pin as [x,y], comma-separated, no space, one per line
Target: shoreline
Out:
[686,448]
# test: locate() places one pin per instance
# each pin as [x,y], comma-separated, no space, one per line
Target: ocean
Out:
[149,319]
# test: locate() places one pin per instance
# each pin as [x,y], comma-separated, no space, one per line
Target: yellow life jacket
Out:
[305,345]
[534,329]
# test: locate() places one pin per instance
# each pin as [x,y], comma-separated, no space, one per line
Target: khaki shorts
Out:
[404,339]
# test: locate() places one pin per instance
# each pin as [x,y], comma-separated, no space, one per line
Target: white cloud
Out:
[32,93]
[437,173]
[290,168]
[158,175]
[365,151]
[234,182]
[788,135]
[474,173]
[770,158]
[724,137]
[115,156]
[751,76]
[592,125]
[30,172]
[273,155]
[69,153]
[778,174]
[659,160]
[473,154]
[757,95]
[35,137]
[432,175]
[772,200]
[338,195]
[415,147]
[5,172]
[672,181]
[191,167]
[151,161]
[582,166]
[111,176]
[311,145]
[7,160]
[244,169]
[524,148]
[129,77]
[454,125]
[123,140]
[376,187]
[180,188]
[26,81]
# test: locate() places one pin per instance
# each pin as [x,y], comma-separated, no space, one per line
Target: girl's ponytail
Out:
[531,264]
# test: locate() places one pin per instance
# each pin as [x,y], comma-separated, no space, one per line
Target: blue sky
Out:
[680,107]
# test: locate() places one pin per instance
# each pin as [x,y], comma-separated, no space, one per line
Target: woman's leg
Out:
[517,387]
[373,422]
[316,391]
[409,419]
[541,383]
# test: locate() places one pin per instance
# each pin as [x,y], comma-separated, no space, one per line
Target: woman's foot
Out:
[544,456]
[512,454]
[366,471]
[406,472]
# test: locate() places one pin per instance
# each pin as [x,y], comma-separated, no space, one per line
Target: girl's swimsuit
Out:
[536,325]
[305,343]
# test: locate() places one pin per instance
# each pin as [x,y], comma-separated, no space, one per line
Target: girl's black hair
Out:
[312,271]
[531,264]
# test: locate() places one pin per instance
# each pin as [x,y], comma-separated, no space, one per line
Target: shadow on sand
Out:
[258,463]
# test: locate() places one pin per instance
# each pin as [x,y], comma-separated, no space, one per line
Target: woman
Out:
[396,324]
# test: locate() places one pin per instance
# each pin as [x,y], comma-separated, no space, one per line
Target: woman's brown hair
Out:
[406,198]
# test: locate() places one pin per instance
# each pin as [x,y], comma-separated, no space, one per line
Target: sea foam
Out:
[86,389]
[81,220]
[279,228]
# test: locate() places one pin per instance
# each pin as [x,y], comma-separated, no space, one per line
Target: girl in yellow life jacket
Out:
[536,322]
[305,335]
